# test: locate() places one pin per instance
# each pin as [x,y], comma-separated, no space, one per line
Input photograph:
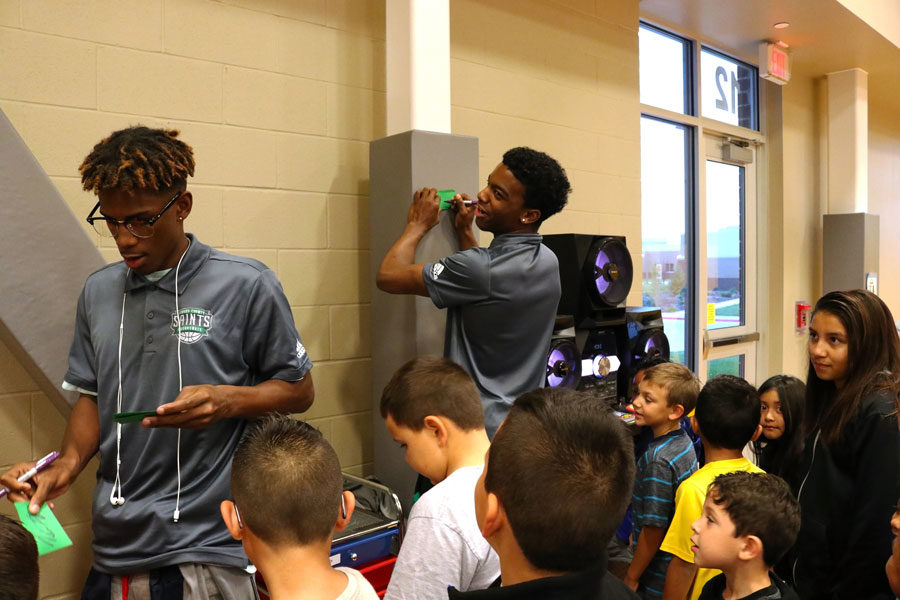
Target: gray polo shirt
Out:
[501,303]
[236,328]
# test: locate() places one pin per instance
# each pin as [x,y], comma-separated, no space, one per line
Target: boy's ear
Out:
[437,426]
[751,548]
[346,510]
[676,411]
[230,517]
[756,433]
[494,516]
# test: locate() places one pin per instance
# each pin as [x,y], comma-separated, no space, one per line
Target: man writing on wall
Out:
[502,299]
[202,339]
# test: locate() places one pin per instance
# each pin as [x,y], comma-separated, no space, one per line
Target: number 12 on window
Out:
[722,80]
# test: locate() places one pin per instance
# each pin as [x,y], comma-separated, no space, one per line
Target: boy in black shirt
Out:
[749,521]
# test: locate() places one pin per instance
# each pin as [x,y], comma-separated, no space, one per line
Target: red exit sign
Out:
[774,62]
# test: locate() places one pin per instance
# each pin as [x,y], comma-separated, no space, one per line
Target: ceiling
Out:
[824,36]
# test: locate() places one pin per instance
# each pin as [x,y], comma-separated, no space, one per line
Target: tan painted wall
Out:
[563,78]
[799,265]
[884,198]
[279,99]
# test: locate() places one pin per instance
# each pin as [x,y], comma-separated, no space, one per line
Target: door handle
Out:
[730,341]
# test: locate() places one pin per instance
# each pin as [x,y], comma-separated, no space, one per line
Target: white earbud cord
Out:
[115,495]
[177,512]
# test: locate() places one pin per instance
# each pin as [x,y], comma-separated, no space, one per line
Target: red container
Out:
[378,573]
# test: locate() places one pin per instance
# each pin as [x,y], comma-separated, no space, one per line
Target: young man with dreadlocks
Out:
[501,300]
[205,341]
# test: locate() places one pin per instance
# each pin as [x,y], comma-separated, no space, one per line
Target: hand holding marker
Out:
[447,196]
[37,468]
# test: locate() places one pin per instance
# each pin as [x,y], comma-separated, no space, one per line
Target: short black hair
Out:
[138,158]
[562,466]
[728,412]
[18,562]
[759,504]
[286,482]
[432,385]
[546,185]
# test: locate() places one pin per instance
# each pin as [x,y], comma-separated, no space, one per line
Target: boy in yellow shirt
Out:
[726,418]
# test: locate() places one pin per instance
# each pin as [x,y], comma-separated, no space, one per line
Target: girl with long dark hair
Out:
[849,469]
[778,449]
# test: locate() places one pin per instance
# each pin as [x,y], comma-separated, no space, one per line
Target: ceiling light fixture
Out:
[781,25]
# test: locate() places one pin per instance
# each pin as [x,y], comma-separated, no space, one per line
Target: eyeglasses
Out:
[139,227]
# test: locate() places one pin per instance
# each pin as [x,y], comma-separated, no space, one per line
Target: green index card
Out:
[133,417]
[446,196]
[47,532]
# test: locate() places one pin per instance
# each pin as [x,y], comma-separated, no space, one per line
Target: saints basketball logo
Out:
[191,324]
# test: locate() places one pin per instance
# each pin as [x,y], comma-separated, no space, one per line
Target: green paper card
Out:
[47,532]
[133,417]
[446,196]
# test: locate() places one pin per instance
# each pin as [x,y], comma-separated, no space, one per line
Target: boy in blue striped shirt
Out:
[667,393]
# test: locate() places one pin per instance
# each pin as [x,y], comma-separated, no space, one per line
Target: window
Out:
[666,193]
[698,190]
[729,89]
[665,69]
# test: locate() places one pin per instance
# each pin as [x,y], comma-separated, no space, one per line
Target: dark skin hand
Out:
[195,407]
[199,406]
[462,221]
[399,273]
[80,443]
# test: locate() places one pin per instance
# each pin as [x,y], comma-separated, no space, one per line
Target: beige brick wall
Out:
[562,77]
[279,99]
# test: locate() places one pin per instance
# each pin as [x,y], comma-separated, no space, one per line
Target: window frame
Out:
[701,128]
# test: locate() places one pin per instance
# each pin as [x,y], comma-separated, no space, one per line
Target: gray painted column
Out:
[404,327]
[45,257]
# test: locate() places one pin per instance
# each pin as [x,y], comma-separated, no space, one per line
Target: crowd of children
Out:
[530,514]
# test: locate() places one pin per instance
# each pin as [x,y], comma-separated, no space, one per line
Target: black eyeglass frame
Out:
[149,222]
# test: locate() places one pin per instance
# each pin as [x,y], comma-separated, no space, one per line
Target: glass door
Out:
[728,335]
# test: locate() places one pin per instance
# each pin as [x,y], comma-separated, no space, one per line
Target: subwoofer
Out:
[641,336]
[595,273]
[583,359]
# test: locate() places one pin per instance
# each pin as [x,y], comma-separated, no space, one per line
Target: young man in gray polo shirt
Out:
[204,339]
[501,300]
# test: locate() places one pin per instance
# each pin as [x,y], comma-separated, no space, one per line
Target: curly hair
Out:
[546,185]
[759,504]
[138,158]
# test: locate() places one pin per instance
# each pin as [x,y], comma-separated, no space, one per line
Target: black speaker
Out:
[595,274]
[640,337]
[600,363]
[563,361]
[584,359]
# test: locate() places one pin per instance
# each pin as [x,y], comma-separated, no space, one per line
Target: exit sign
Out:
[774,62]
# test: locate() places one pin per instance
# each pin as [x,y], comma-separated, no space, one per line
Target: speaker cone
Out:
[609,270]
[563,364]
[652,343]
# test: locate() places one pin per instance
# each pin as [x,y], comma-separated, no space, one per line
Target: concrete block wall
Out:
[279,99]
[561,77]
